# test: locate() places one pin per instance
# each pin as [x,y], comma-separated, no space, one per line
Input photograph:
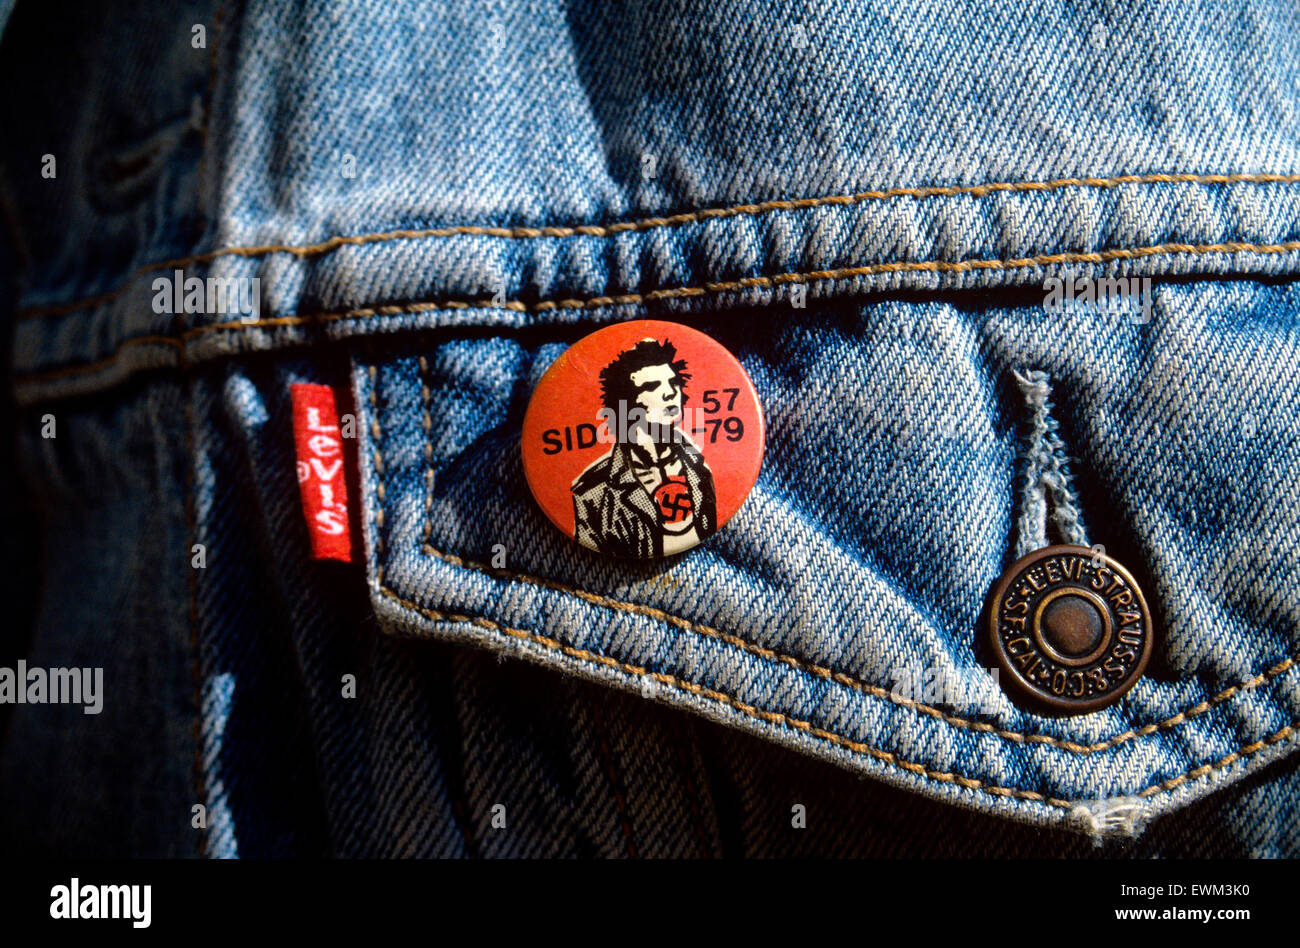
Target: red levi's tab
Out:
[319,446]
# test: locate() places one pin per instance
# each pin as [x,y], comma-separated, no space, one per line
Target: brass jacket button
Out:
[1070,629]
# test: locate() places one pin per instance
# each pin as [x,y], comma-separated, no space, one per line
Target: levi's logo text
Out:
[320,463]
[643,439]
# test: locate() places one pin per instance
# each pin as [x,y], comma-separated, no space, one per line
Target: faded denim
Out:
[526,172]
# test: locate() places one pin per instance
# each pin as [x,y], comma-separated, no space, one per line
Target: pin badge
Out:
[643,439]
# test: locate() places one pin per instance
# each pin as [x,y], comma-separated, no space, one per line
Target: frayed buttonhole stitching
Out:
[1046,482]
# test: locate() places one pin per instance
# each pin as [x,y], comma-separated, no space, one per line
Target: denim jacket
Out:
[999,281]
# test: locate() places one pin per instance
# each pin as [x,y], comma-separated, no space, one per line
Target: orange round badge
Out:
[643,439]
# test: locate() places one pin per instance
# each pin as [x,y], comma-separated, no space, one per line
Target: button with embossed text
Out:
[1070,629]
[643,439]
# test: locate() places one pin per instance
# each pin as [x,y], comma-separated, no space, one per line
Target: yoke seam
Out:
[599,302]
[306,251]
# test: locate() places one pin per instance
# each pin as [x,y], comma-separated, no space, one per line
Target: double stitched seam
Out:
[1256,747]
[775,717]
[678,684]
[652,223]
[599,302]
[856,684]
[771,717]
[377,457]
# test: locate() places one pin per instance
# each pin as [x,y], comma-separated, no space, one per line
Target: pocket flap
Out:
[883,516]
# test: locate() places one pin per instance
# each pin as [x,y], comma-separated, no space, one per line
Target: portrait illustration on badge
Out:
[642,439]
[652,493]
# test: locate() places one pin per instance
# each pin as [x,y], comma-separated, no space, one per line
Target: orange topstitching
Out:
[674,220]
[776,717]
[857,684]
[1104,256]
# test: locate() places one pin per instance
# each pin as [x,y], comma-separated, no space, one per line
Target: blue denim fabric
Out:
[527,172]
